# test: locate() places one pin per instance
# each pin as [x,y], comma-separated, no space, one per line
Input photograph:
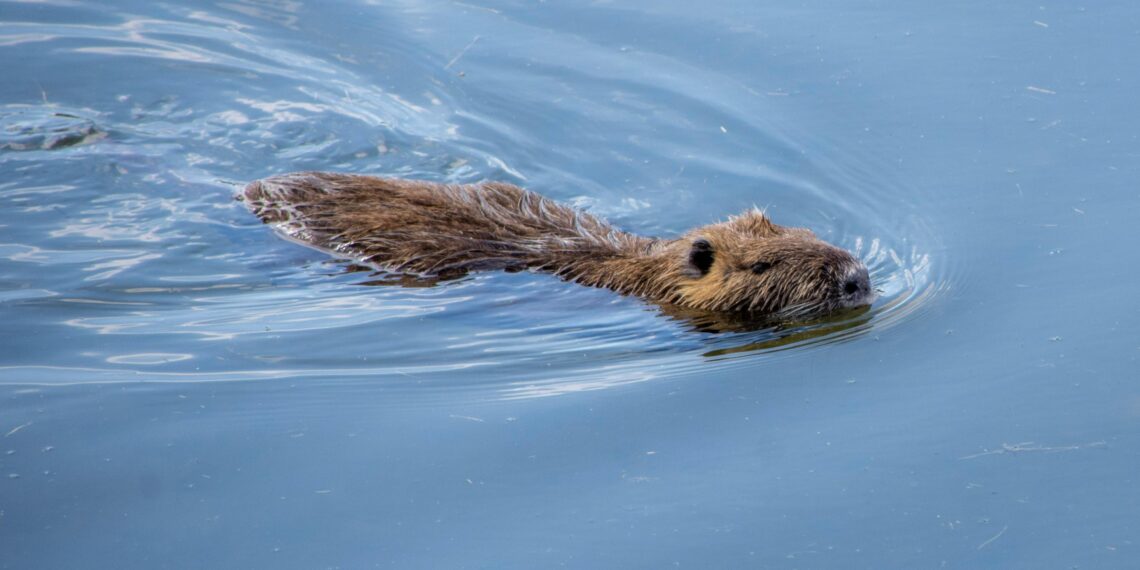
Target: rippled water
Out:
[181,387]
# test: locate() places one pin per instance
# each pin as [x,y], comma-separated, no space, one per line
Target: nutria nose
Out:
[857,287]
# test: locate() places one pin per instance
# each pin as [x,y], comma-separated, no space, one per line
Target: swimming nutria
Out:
[747,264]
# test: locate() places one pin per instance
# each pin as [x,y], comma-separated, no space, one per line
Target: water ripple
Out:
[121,229]
[46,127]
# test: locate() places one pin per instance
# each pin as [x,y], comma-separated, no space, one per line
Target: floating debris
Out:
[1027,446]
[1036,89]
[468,418]
[17,428]
[994,537]
[462,52]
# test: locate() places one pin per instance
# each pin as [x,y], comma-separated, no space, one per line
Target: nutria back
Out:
[746,264]
[427,228]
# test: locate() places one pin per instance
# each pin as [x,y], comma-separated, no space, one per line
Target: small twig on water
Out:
[994,537]
[462,52]
[17,428]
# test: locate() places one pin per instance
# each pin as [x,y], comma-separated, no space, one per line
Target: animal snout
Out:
[857,287]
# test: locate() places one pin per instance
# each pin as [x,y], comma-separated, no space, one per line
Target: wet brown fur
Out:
[431,229]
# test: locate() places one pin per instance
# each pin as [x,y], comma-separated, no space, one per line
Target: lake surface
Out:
[182,388]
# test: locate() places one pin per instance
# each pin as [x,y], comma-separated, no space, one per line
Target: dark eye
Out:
[760,267]
[701,255]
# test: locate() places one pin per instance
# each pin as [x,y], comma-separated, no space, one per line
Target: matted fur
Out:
[431,229]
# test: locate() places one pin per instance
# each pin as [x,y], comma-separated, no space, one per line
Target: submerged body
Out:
[744,265]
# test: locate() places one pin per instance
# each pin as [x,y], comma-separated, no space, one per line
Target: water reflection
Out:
[148,358]
[829,330]
[280,12]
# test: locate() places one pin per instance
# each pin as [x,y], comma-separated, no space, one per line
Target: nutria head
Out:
[751,265]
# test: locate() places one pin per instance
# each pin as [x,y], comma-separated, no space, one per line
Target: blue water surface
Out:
[180,387]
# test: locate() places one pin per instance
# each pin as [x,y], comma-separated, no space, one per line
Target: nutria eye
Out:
[701,255]
[760,267]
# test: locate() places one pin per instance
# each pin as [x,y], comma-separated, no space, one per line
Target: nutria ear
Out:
[701,256]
